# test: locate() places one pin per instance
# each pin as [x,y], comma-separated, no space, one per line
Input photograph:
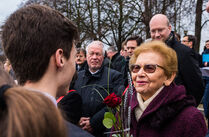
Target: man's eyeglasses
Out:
[157,30]
[184,41]
[148,68]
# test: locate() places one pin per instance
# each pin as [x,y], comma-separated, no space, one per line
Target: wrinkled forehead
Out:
[150,57]
[95,48]
[158,25]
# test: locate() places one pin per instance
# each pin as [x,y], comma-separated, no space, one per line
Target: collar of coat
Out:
[97,75]
[171,39]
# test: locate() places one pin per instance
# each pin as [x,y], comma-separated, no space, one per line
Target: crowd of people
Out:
[60,88]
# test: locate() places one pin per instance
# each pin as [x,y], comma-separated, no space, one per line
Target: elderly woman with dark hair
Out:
[159,107]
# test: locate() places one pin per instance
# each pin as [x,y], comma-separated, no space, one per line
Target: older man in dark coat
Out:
[90,85]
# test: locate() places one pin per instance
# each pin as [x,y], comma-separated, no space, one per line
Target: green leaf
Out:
[107,122]
[116,135]
[111,116]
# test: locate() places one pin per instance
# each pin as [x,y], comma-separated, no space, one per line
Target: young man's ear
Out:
[59,58]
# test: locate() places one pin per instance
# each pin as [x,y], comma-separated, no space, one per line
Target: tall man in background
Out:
[189,73]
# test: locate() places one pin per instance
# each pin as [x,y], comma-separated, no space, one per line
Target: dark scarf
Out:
[170,39]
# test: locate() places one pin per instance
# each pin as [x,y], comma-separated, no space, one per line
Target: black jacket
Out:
[71,105]
[88,86]
[189,73]
[81,67]
[118,63]
[198,57]
[75,131]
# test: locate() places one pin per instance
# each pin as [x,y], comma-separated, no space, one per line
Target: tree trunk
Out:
[147,16]
[198,22]
[99,20]
[120,23]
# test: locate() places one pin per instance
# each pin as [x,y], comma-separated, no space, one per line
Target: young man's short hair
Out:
[193,39]
[31,35]
[138,39]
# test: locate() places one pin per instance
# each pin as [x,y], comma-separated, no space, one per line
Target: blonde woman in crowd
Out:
[25,113]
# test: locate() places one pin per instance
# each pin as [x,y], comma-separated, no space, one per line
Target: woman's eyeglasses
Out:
[148,68]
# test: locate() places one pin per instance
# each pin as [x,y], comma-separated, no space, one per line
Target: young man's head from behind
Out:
[33,34]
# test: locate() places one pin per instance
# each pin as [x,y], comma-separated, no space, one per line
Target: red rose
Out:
[112,100]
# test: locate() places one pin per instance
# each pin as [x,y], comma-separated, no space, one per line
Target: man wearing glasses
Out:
[189,73]
[190,41]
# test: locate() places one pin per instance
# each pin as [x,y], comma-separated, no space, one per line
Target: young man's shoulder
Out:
[75,131]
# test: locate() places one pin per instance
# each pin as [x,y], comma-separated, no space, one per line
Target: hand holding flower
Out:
[85,124]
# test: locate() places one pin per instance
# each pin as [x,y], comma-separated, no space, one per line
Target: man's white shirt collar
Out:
[46,94]
[93,72]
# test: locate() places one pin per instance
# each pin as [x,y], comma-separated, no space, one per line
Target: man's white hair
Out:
[98,43]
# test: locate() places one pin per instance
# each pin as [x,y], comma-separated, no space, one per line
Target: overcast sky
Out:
[7,7]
